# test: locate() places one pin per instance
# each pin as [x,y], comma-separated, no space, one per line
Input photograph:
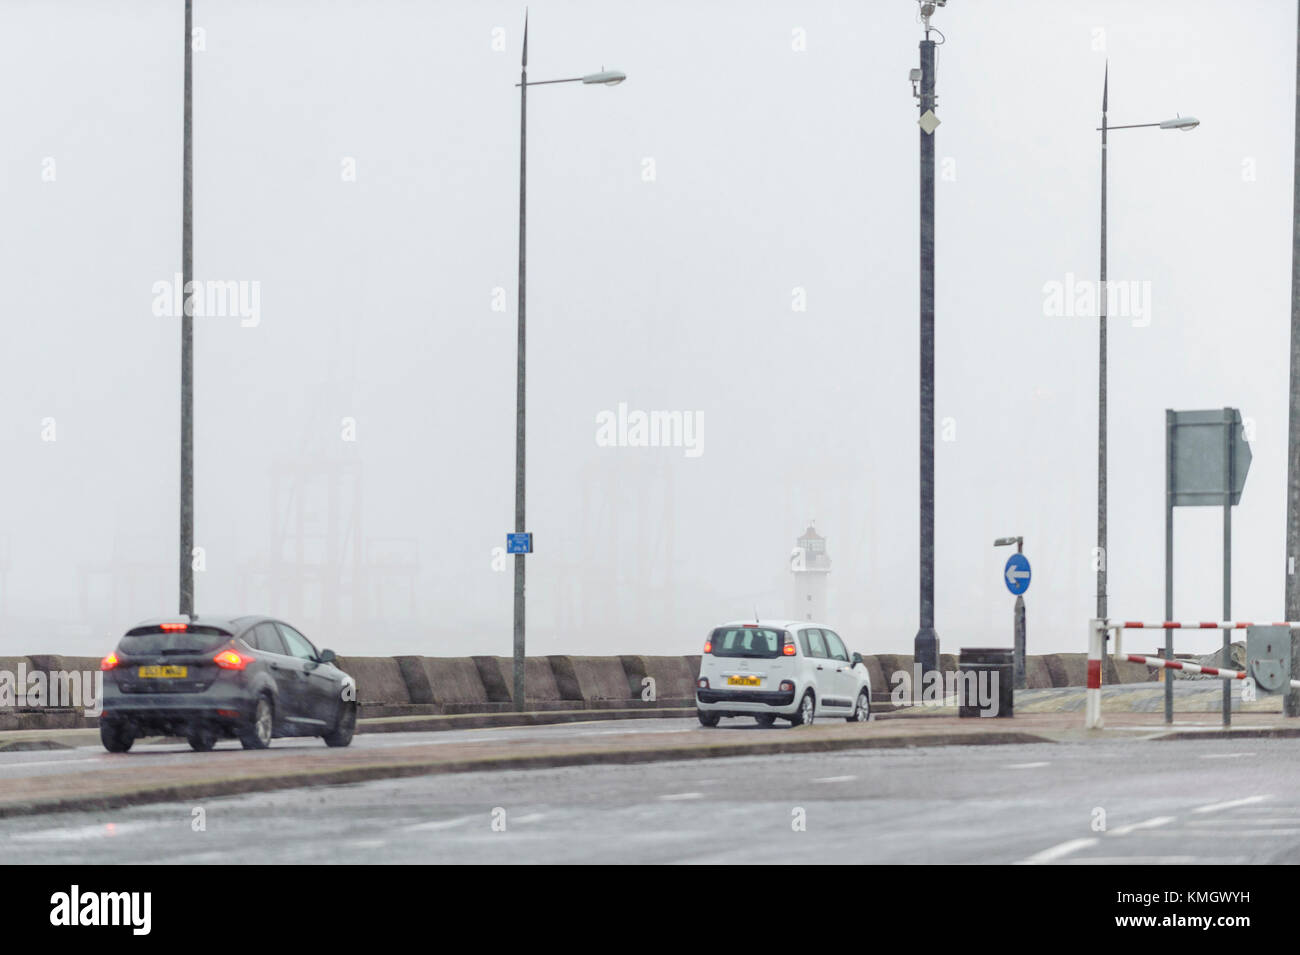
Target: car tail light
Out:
[228,713]
[173,627]
[232,660]
[109,662]
[702,683]
[789,649]
[708,646]
[787,686]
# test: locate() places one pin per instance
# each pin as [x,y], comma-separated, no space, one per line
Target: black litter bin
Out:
[988,672]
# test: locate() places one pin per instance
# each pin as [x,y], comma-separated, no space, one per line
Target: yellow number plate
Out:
[743,681]
[163,673]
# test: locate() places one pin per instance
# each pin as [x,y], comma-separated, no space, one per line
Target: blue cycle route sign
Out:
[519,543]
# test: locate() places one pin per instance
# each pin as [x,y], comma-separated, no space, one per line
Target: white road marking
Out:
[1058,851]
[106,830]
[440,824]
[1231,804]
[531,817]
[1146,824]
[1027,765]
[1225,755]
[1234,833]
[834,779]
[1245,819]
[682,796]
[1153,860]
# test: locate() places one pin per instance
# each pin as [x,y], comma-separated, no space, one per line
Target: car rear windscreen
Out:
[747,642]
[193,639]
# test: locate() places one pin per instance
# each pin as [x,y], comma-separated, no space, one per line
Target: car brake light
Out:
[708,646]
[788,649]
[109,662]
[232,660]
[751,626]
[173,627]
[702,683]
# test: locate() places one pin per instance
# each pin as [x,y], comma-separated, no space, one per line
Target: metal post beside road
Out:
[520,542]
[1016,575]
[187,329]
[1092,706]
[1227,557]
[1182,123]
[1291,703]
[926,644]
[520,367]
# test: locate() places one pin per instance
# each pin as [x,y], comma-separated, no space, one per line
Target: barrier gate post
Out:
[1096,643]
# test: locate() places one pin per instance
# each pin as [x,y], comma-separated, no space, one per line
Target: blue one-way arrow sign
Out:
[1016,574]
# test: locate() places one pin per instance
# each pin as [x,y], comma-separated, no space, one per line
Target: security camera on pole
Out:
[926,646]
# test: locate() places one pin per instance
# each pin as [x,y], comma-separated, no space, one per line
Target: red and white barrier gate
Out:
[1096,643]
[1189,667]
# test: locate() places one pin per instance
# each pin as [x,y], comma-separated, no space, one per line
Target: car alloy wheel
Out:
[259,732]
[862,711]
[807,710]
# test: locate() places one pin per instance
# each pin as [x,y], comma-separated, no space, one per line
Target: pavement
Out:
[1113,799]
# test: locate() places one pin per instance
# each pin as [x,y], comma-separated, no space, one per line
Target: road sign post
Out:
[1206,460]
[1020,644]
[1016,576]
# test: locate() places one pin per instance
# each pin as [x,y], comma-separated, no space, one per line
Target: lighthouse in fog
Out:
[810,566]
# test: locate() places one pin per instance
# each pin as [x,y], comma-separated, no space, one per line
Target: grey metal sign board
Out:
[1197,445]
[1268,657]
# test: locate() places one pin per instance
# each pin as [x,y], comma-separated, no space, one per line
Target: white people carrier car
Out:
[793,669]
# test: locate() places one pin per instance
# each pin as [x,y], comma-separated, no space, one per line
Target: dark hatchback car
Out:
[211,678]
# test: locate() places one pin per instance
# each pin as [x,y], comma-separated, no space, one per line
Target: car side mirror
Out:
[327,656]
[857,658]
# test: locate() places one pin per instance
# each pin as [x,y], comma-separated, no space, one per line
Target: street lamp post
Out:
[925,648]
[603,78]
[186,567]
[1179,122]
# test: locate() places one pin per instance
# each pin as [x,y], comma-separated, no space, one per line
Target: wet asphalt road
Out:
[1226,801]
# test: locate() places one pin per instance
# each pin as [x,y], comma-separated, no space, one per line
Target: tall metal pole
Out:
[1019,642]
[519,380]
[1227,559]
[926,645]
[187,333]
[1102,556]
[1292,699]
[1165,674]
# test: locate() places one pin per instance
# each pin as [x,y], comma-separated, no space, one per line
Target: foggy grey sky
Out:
[774,169]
